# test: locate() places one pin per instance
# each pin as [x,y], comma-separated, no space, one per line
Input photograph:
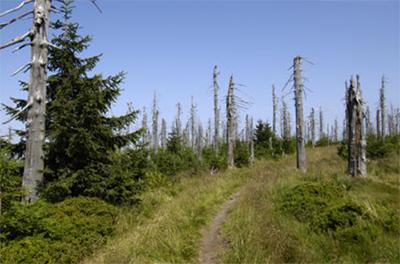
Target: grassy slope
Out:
[259,233]
[166,228]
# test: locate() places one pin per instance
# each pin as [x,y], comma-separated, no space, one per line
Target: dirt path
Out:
[212,242]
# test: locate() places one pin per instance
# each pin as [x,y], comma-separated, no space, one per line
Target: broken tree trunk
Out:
[356,131]
[298,93]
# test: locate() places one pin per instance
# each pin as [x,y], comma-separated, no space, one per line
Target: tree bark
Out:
[34,156]
[216,110]
[298,93]
[230,121]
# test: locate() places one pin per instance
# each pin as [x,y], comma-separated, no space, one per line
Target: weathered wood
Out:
[298,95]
[357,161]
[382,107]
[274,109]
[34,156]
[312,126]
[155,116]
[216,109]
[230,123]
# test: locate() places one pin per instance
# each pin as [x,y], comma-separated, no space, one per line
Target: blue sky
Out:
[171,47]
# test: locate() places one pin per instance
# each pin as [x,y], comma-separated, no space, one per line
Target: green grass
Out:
[166,227]
[319,216]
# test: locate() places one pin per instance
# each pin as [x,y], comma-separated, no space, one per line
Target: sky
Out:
[171,47]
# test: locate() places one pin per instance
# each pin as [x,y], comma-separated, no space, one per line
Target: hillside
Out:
[270,221]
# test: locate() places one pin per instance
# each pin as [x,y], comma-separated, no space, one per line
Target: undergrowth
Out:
[317,217]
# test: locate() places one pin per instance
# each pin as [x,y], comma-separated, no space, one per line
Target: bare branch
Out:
[18,113]
[2,25]
[21,47]
[23,68]
[96,5]
[16,8]
[17,40]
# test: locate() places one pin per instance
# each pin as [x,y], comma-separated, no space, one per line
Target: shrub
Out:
[55,233]
[10,179]
[307,199]
[214,160]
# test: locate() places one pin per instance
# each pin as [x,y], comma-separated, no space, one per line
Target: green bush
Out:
[306,200]
[55,233]
[377,148]
[241,154]
[214,160]
[10,179]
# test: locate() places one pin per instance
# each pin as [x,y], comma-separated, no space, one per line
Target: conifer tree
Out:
[81,139]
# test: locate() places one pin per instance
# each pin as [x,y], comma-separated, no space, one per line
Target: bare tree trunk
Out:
[155,141]
[230,122]
[34,156]
[178,119]
[321,124]
[163,134]
[285,120]
[298,96]
[312,124]
[362,148]
[274,109]
[351,128]
[378,122]
[199,140]
[193,124]
[146,134]
[336,131]
[216,109]
[356,137]
[382,107]
[251,138]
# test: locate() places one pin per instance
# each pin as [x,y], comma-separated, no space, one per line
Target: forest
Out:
[80,184]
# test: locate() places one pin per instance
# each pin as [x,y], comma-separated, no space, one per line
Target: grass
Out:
[316,217]
[166,227]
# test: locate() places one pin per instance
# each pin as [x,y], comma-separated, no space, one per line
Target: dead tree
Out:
[285,116]
[336,131]
[163,134]
[251,138]
[382,107]
[298,95]
[156,113]
[178,119]
[216,109]
[274,109]
[356,130]
[368,123]
[209,134]
[199,140]
[192,120]
[37,38]
[312,126]
[378,122]
[321,124]
[391,121]
[146,132]
[230,123]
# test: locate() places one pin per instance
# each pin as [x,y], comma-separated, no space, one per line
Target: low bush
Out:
[328,209]
[55,233]
[377,148]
